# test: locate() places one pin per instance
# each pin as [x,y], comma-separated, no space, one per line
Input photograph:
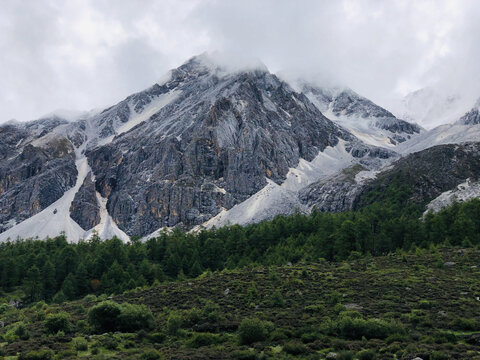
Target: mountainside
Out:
[465,128]
[366,120]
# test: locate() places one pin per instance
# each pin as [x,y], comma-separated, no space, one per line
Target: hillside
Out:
[426,303]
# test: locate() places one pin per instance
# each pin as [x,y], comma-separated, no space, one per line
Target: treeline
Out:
[56,270]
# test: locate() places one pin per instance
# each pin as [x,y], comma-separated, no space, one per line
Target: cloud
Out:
[83,54]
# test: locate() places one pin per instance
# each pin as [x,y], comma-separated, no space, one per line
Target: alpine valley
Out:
[208,147]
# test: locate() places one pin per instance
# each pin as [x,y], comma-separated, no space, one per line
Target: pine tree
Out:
[49,282]
[82,280]
[33,284]
[69,287]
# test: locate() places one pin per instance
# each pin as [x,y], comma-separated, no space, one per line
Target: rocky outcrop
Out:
[471,118]
[427,173]
[32,176]
[335,194]
[85,209]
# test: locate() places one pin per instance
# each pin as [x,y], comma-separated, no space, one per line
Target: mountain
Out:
[208,146]
[369,122]
[432,107]
[421,176]
[179,153]
[465,128]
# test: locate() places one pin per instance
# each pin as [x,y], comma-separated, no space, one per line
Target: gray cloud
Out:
[84,54]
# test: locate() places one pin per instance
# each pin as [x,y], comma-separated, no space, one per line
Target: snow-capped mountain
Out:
[205,146]
[177,154]
[465,128]
[369,122]
[431,107]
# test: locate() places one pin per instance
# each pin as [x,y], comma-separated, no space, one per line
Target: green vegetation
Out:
[55,270]
[379,283]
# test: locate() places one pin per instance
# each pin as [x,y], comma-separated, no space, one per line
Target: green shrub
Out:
[366,355]
[315,309]
[21,331]
[4,308]
[344,355]
[424,304]
[103,317]
[109,343]
[109,316]
[157,338]
[203,339]
[253,330]
[277,299]
[437,355]
[90,298]
[151,355]
[80,344]
[57,322]
[174,323]
[355,328]
[294,348]
[465,324]
[211,311]
[134,317]
[244,355]
[37,355]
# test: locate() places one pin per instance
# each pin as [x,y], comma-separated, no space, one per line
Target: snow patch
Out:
[463,192]
[443,134]
[151,109]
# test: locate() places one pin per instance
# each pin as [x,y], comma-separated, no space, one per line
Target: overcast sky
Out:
[81,54]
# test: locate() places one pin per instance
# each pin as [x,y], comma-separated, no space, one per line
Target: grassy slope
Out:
[417,290]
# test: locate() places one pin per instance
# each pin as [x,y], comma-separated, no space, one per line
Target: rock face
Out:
[335,194]
[85,209]
[210,148]
[471,118]
[32,176]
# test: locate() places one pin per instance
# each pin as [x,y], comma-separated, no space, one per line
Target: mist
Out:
[80,55]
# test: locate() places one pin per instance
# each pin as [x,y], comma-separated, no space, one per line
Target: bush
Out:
[109,343]
[294,348]
[37,355]
[253,330]
[80,344]
[174,323]
[344,355]
[277,299]
[157,338]
[90,298]
[366,355]
[354,328]
[57,322]
[203,339]
[465,324]
[151,355]
[21,331]
[134,317]
[109,316]
[4,308]
[104,316]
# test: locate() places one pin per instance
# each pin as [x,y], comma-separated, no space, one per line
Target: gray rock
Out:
[85,209]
